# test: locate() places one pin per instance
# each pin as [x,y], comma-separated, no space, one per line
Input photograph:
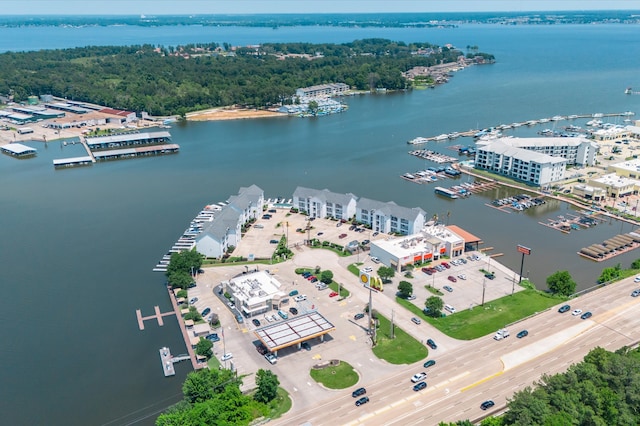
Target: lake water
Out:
[79,244]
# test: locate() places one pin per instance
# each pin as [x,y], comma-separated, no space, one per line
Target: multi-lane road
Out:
[471,372]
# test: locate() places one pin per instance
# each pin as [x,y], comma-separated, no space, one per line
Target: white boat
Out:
[409,176]
[597,115]
[532,122]
[557,118]
[441,137]
[572,117]
[453,135]
[544,120]
[628,113]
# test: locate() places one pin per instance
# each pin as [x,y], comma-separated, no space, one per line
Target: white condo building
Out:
[539,161]
[390,217]
[324,203]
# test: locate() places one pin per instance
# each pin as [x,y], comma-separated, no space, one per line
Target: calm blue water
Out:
[79,245]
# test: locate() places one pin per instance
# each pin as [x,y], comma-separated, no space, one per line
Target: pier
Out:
[612,247]
[168,360]
[157,316]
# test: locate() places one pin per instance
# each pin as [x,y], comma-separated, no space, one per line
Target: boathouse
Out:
[127,140]
[18,150]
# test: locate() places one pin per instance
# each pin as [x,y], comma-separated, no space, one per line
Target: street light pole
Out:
[484,284]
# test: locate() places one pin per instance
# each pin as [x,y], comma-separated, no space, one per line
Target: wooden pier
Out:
[157,316]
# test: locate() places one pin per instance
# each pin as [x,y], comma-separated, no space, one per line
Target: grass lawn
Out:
[403,349]
[340,376]
[280,405]
[483,320]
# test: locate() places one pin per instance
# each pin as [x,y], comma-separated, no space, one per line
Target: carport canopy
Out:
[293,331]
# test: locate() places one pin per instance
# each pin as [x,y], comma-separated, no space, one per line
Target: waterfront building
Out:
[324,203]
[589,192]
[518,163]
[431,243]
[578,151]
[616,186]
[18,150]
[389,217]
[323,90]
[255,293]
[225,229]
[615,133]
[630,169]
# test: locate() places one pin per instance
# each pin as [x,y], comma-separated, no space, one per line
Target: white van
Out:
[501,334]
[450,309]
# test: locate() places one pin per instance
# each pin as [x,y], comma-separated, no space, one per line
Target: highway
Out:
[468,373]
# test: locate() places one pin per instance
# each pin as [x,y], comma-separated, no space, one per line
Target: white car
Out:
[576,312]
[300,298]
[419,377]
[226,356]
[367,270]
[375,260]
[462,276]
[193,300]
[637,279]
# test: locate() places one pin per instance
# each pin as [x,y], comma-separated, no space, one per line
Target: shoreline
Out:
[232,113]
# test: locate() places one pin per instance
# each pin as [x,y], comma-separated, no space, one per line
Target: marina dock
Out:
[612,247]
[157,316]
[168,360]
[18,150]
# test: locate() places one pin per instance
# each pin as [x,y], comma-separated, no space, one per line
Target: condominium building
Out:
[324,203]
[389,217]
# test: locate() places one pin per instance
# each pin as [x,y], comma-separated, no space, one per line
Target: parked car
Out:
[206,312]
[487,404]
[419,377]
[226,357]
[239,318]
[314,280]
[419,386]
[450,309]
[333,294]
[429,363]
[283,314]
[432,344]
[300,298]
[452,278]
[521,334]
[271,358]
[306,274]
[193,300]
[564,308]
[446,265]
[342,236]
[375,234]
[367,270]
[358,316]
[358,392]
[365,242]
[462,276]
[490,276]
[416,320]
[338,224]
[262,349]
[293,310]
[586,315]
[213,337]
[256,322]
[293,292]
[273,241]
[449,289]
[375,259]
[306,346]
[427,271]
[362,400]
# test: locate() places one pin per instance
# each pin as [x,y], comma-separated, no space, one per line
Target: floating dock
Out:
[167,362]
[612,247]
[73,161]
[157,316]
[436,157]
[116,154]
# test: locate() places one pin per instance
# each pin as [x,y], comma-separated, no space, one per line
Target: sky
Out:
[202,7]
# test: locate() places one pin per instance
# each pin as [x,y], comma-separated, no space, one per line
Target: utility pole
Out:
[391,331]
[484,285]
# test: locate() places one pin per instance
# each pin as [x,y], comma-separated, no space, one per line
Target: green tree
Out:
[180,279]
[405,288]
[313,107]
[610,274]
[188,261]
[182,293]
[326,277]
[434,305]
[386,273]
[561,283]
[635,264]
[203,348]
[494,421]
[193,314]
[267,386]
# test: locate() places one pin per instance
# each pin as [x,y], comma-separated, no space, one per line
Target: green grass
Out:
[403,349]
[340,376]
[343,291]
[280,405]
[482,320]
[434,290]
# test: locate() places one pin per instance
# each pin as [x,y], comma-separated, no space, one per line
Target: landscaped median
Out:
[483,320]
[335,374]
[401,349]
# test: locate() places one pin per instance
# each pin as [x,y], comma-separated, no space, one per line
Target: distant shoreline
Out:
[231,113]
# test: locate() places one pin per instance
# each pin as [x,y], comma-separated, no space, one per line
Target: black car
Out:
[255,322]
[306,346]
[487,404]
[358,316]
[262,349]
[586,315]
[191,285]
[306,274]
[419,386]
[360,391]
[522,334]
[273,241]
[213,337]
[294,311]
[490,276]
[206,312]
[429,363]
[432,344]
[564,308]
[362,400]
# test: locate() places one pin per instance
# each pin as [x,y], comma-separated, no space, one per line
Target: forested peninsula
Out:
[176,80]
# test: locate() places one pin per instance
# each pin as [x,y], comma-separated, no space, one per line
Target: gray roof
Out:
[123,137]
[221,223]
[246,197]
[543,141]
[390,208]
[501,148]
[324,195]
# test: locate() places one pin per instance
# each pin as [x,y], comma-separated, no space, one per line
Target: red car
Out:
[446,265]
[333,294]
[310,277]
[342,236]
[452,278]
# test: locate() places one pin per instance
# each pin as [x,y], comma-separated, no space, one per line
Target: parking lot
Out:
[349,341]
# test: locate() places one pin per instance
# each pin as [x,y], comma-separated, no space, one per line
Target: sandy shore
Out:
[215,114]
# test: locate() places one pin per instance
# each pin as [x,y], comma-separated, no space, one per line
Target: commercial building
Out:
[539,161]
[324,203]
[616,186]
[321,90]
[389,217]
[429,244]
[255,293]
[225,228]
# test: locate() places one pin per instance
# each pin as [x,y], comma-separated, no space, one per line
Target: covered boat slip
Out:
[18,150]
[73,161]
[612,247]
[137,152]
[128,139]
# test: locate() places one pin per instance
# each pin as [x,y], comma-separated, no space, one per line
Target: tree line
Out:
[161,82]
